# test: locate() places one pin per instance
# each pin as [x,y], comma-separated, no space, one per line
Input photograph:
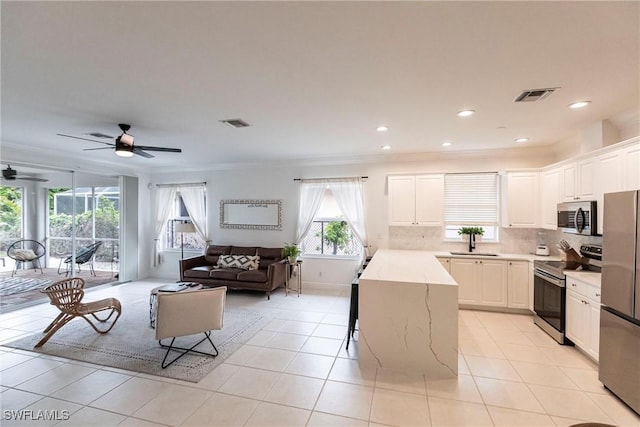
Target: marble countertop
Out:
[502,256]
[407,266]
[590,277]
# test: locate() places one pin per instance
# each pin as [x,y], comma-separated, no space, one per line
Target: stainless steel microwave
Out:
[578,218]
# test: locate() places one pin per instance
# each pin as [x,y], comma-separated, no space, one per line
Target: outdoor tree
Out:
[10,216]
[337,234]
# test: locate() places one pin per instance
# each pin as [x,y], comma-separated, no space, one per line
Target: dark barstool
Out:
[353,306]
[353,310]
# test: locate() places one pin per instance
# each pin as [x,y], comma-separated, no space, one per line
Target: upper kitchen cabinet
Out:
[609,179]
[550,196]
[577,180]
[416,199]
[523,203]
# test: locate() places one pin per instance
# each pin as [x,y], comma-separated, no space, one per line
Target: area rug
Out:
[131,344]
[16,285]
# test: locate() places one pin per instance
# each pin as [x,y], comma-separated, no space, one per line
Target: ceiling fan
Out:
[12,174]
[124,144]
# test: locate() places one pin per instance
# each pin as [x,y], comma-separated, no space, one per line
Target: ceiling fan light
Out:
[123,150]
[127,139]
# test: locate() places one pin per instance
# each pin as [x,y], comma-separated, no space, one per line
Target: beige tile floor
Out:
[296,371]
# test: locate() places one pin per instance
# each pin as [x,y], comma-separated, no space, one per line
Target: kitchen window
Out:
[471,199]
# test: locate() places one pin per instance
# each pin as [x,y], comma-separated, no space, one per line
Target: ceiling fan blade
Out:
[86,139]
[101,148]
[30,178]
[166,150]
[139,152]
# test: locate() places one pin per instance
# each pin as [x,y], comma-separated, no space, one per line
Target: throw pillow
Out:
[245,262]
[24,254]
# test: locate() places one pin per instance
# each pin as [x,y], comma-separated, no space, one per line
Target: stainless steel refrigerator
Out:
[619,365]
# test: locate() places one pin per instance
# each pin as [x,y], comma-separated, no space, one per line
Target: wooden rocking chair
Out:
[67,296]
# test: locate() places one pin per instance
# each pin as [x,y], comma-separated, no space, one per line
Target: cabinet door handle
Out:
[573,284]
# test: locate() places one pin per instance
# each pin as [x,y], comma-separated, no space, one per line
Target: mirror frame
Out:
[225,224]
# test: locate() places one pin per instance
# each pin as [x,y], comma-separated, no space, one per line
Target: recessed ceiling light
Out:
[579,104]
[521,139]
[382,128]
[446,144]
[466,113]
[386,147]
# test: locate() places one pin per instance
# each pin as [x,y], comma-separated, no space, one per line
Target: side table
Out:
[293,270]
[153,297]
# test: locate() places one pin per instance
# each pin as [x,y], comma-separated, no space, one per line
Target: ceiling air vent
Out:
[236,123]
[533,95]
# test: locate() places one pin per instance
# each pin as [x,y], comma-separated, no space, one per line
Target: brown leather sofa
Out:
[269,276]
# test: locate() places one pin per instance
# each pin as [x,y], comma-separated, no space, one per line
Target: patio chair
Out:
[188,313]
[84,256]
[67,295]
[23,251]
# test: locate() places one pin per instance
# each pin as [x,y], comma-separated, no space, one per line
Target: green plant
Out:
[336,233]
[471,230]
[290,250]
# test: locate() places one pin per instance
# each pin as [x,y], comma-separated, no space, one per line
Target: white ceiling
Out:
[314,79]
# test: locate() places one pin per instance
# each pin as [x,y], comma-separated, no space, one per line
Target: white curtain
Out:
[165,197]
[311,195]
[349,195]
[193,197]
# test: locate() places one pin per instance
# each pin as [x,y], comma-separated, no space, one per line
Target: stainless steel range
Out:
[549,292]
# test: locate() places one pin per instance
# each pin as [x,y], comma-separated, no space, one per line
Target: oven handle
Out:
[549,278]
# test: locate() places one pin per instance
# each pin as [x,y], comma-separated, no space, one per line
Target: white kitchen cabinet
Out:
[402,200]
[446,262]
[523,200]
[608,179]
[575,319]
[429,199]
[585,180]
[480,281]
[578,180]
[465,272]
[493,283]
[583,316]
[550,196]
[518,284]
[569,181]
[416,199]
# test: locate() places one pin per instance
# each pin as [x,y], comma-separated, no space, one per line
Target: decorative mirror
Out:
[251,214]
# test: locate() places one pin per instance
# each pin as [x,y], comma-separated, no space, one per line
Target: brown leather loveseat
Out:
[205,269]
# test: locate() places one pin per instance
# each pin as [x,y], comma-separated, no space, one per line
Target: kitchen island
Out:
[408,314]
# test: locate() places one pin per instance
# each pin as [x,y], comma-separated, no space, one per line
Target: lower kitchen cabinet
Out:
[583,316]
[480,281]
[518,281]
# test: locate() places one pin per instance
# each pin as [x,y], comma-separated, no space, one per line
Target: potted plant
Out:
[466,232]
[291,251]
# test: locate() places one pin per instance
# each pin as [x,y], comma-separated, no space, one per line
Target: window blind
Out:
[471,199]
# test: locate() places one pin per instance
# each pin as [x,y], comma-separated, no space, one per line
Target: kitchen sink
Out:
[472,253]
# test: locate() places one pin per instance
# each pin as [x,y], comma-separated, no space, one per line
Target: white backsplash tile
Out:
[512,240]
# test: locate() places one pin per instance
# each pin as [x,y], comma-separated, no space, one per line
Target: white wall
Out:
[277,183]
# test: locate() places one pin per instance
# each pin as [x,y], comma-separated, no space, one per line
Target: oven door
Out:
[549,296]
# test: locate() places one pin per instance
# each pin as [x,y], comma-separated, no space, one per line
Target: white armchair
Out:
[189,313]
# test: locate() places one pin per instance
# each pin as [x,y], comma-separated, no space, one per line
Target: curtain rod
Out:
[186,184]
[329,179]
